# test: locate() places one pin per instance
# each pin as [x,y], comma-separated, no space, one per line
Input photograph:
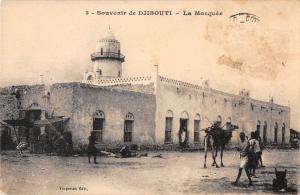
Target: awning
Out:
[41,123]
[18,122]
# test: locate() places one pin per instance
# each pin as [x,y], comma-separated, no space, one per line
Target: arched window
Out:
[275,132]
[197,128]
[98,124]
[128,127]
[265,127]
[283,132]
[168,128]
[184,115]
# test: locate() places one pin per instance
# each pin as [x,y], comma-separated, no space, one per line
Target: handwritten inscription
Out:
[244,18]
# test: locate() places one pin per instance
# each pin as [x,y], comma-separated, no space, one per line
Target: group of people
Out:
[250,156]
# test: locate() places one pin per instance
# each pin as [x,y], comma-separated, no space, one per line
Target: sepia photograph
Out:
[149,97]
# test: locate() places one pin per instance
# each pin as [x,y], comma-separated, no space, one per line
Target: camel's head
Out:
[234,127]
[229,130]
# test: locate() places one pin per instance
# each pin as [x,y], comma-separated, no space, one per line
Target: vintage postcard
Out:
[149,97]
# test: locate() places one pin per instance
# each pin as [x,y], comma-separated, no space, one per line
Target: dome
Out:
[108,35]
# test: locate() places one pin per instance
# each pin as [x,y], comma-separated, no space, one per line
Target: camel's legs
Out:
[205,150]
[221,156]
[214,156]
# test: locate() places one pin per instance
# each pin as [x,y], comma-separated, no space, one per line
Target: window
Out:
[98,125]
[119,73]
[128,127]
[101,51]
[168,128]
[283,133]
[265,132]
[168,133]
[197,128]
[275,132]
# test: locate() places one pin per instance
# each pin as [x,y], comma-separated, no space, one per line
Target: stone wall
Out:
[115,104]
[241,110]
[80,101]
[8,107]
[249,113]
[179,97]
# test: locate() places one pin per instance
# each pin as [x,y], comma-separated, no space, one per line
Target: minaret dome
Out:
[108,58]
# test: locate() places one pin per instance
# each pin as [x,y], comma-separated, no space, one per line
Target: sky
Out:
[56,38]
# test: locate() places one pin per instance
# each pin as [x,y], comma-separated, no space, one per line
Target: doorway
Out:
[183,124]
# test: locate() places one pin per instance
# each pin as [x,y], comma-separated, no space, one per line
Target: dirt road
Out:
[175,173]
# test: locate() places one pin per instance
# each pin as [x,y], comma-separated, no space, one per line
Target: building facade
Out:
[145,110]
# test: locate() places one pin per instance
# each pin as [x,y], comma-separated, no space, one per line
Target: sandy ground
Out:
[176,173]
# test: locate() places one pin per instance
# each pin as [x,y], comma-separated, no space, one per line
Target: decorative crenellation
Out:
[142,88]
[120,81]
[180,83]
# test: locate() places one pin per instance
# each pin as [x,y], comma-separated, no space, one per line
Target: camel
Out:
[216,138]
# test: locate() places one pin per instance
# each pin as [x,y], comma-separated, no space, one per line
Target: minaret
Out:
[107,58]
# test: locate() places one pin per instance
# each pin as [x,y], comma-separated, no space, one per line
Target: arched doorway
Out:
[128,127]
[275,132]
[258,127]
[265,127]
[283,132]
[183,128]
[184,118]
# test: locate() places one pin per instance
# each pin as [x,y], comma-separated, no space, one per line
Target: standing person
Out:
[92,150]
[253,157]
[21,146]
[244,159]
[259,154]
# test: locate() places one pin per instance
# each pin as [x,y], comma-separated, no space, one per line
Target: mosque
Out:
[146,110]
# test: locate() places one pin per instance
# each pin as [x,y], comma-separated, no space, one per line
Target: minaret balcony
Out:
[107,55]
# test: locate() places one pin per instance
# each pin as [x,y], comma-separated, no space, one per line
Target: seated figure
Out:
[280,183]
